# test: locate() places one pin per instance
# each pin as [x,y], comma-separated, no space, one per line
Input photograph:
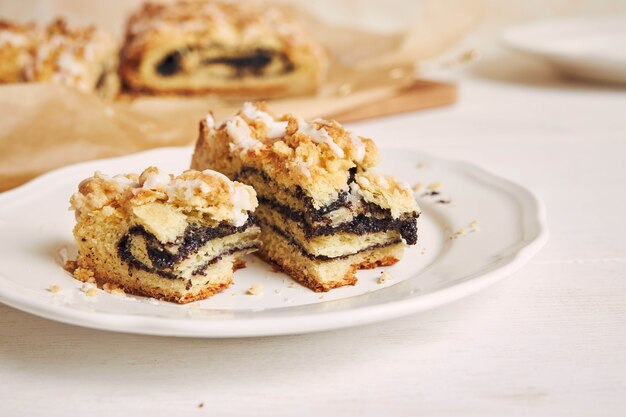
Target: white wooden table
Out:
[548,341]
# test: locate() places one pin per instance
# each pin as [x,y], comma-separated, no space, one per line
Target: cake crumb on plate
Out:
[255,289]
[384,277]
[54,289]
[434,186]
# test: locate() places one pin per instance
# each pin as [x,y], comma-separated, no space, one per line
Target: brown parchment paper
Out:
[45,126]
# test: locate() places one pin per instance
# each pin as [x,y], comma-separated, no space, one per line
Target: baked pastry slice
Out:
[323,211]
[172,238]
[82,58]
[17,50]
[237,48]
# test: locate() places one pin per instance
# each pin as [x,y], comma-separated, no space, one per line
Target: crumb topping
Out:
[16,35]
[206,193]
[315,156]
[17,50]
[66,55]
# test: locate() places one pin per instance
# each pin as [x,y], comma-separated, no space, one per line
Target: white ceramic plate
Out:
[592,48]
[509,228]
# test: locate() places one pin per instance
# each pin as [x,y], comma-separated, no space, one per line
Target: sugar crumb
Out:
[471,228]
[384,277]
[54,289]
[434,186]
[255,289]
[84,275]
[118,291]
[458,233]
[292,285]
[89,289]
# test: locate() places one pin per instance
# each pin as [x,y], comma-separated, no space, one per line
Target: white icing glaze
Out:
[69,64]
[210,121]
[274,129]
[238,196]
[365,181]
[304,168]
[122,182]
[319,136]
[241,205]
[11,38]
[238,129]
[157,181]
[188,188]
[359,145]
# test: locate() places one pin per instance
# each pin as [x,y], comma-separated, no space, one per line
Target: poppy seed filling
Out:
[164,257]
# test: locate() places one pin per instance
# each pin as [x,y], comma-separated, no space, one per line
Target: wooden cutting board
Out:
[420,95]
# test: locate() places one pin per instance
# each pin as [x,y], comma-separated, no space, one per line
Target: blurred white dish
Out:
[591,48]
[36,227]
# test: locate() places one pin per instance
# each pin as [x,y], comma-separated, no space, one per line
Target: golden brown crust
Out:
[307,281]
[239,264]
[323,275]
[318,286]
[180,298]
[220,29]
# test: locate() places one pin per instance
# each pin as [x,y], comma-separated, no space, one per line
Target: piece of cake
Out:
[235,48]
[323,211]
[17,50]
[172,238]
[82,58]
